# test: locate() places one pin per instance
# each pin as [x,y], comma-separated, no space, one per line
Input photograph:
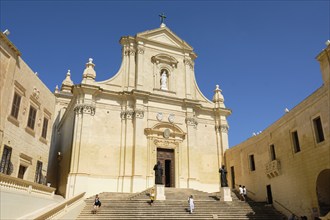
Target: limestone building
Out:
[288,164]
[110,134]
[26,117]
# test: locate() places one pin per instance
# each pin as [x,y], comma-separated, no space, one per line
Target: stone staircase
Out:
[207,206]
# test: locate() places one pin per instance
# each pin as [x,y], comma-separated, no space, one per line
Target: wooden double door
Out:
[166,158]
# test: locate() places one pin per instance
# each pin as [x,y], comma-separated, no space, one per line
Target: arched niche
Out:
[164,63]
[323,191]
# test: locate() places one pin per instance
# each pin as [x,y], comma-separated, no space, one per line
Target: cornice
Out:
[10,44]
[165,45]
[323,52]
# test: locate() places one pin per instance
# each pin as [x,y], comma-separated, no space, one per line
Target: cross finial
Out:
[162,18]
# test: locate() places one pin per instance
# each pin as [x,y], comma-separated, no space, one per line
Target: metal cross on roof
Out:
[162,17]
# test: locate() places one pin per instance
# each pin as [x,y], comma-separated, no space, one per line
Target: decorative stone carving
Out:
[273,168]
[139,113]
[84,109]
[122,115]
[171,118]
[164,58]
[159,116]
[89,72]
[129,52]
[140,50]
[167,133]
[129,114]
[161,143]
[35,93]
[224,128]
[191,121]
[166,143]
[189,63]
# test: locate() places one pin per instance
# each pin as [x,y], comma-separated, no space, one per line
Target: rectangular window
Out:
[272,152]
[38,177]
[295,141]
[252,164]
[44,128]
[15,105]
[21,171]
[318,130]
[32,117]
[5,160]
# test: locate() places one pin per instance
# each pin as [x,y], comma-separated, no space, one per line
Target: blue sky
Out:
[261,53]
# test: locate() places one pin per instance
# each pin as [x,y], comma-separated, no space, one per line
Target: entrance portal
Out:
[323,191]
[166,158]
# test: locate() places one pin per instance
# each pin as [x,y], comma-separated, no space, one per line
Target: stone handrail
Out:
[280,204]
[59,208]
[9,182]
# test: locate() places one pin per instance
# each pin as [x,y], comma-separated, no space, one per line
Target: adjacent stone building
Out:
[110,134]
[26,117]
[288,164]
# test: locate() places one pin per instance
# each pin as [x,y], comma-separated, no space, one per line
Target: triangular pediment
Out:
[164,36]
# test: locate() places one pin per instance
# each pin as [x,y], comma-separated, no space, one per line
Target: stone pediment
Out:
[160,130]
[164,36]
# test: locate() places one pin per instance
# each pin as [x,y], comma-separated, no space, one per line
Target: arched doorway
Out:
[164,140]
[323,191]
[166,158]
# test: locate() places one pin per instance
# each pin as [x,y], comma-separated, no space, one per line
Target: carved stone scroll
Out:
[84,109]
[191,121]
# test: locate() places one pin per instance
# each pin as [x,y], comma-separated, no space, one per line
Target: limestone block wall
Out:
[292,176]
[27,145]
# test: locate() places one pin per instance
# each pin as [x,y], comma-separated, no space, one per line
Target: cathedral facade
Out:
[109,135]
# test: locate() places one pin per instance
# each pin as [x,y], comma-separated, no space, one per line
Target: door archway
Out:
[323,191]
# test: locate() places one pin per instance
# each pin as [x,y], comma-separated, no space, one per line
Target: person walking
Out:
[191,204]
[241,192]
[97,204]
[244,193]
[152,196]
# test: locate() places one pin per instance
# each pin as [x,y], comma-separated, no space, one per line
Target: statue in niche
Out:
[158,173]
[223,173]
[163,80]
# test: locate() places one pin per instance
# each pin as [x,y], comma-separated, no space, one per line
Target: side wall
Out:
[292,175]
[27,145]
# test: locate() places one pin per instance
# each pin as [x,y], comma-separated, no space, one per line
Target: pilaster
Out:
[191,125]
[188,63]
[139,65]
[139,148]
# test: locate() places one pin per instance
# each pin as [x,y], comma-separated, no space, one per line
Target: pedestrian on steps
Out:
[244,193]
[152,196]
[191,204]
[241,192]
[97,204]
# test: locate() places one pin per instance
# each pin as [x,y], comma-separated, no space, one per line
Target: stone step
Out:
[207,206]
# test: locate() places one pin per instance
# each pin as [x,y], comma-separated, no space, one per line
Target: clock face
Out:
[171,118]
[159,116]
